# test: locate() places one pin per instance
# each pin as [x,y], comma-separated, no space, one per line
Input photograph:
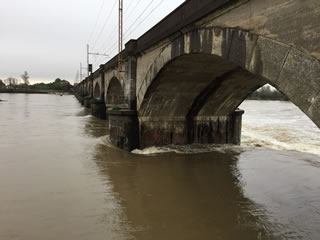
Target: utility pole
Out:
[120,41]
[89,66]
[87,60]
[76,80]
[80,77]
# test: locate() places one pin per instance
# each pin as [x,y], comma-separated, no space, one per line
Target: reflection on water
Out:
[66,182]
[49,186]
[252,194]
[171,196]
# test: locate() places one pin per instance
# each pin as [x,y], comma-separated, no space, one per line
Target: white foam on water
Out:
[105,140]
[280,126]
[151,150]
[267,124]
[189,149]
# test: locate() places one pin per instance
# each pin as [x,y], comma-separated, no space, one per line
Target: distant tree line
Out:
[15,85]
[266,93]
[2,85]
[57,85]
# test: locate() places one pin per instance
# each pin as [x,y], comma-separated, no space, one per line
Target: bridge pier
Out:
[80,98]
[218,129]
[98,108]
[87,101]
[124,128]
[200,130]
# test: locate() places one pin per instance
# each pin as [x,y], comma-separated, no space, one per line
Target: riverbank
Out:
[33,91]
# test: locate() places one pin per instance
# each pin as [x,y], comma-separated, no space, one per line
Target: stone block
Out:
[217,129]
[241,49]
[160,132]
[221,42]
[268,58]
[300,79]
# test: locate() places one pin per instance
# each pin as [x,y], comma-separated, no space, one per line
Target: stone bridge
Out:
[182,81]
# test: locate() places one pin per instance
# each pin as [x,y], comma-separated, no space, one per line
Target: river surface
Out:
[61,179]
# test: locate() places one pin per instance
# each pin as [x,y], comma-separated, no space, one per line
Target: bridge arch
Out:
[97,91]
[88,88]
[210,60]
[201,77]
[115,93]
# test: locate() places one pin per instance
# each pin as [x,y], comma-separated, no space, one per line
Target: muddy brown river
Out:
[60,178]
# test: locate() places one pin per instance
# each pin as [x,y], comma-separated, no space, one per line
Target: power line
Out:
[132,27]
[95,25]
[140,15]
[129,5]
[127,34]
[105,23]
[113,47]
[115,27]
[114,42]
[134,8]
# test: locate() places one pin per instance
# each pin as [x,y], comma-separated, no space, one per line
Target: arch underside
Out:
[89,88]
[115,93]
[191,101]
[198,81]
[97,91]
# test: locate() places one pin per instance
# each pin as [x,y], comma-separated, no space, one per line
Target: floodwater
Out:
[61,179]
[279,125]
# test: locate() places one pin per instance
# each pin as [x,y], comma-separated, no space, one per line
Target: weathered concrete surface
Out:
[124,128]
[194,68]
[293,22]
[157,131]
[220,129]
[98,90]
[87,101]
[98,108]
[115,94]
[268,61]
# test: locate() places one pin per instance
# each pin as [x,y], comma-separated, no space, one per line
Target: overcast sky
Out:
[48,38]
